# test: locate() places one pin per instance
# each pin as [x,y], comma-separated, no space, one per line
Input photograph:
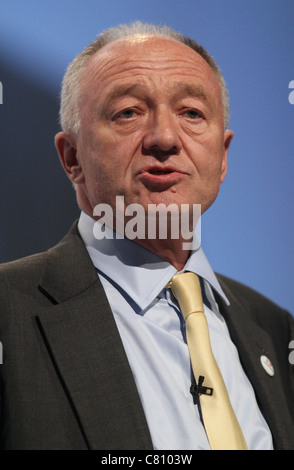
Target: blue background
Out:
[248,233]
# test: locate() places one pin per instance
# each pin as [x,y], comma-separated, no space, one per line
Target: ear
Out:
[228,136]
[66,147]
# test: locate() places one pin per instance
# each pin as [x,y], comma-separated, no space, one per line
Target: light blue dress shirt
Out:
[152,331]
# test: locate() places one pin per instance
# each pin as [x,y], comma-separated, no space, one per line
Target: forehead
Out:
[150,60]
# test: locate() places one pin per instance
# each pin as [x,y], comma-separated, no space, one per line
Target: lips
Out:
[160,170]
[155,171]
[160,177]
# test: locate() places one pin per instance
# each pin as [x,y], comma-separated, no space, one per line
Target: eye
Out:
[192,114]
[127,114]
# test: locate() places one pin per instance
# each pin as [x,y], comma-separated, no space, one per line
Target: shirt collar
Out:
[139,272]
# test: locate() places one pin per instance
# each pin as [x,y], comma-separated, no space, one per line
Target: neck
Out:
[170,250]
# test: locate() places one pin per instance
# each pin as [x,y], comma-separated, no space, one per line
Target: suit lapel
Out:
[86,349]
[252,343]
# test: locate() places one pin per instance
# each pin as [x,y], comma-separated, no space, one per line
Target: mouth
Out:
[160,178]
[155,171]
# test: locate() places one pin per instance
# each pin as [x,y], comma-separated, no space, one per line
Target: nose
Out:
[161,137]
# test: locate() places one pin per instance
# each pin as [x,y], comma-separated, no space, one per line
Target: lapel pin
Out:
[267,365]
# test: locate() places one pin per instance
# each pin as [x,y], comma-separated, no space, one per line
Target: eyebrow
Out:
[123,90]
[195,90]
[119,91]
[181,90]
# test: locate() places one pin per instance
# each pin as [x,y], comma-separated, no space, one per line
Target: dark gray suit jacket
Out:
[65,379]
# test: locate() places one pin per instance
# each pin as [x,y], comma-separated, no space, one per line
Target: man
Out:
[95,354]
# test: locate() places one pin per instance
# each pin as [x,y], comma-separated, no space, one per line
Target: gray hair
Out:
[69,107]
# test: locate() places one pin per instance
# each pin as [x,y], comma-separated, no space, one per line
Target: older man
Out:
[95,347]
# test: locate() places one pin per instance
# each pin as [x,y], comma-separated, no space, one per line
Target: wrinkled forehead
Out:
[140,57]
[151,52]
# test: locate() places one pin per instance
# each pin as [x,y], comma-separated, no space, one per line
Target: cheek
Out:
[105,165]
[110,148]
[207,156]
[94,151]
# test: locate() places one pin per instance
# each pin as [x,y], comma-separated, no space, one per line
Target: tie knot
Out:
[186,289]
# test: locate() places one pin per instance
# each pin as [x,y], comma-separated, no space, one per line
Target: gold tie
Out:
[221,425]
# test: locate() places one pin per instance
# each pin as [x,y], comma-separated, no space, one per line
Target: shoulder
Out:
[25,273]
[22,271]
[247,293]
[257,306]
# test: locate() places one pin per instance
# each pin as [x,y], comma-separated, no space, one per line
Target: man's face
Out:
[151,127]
